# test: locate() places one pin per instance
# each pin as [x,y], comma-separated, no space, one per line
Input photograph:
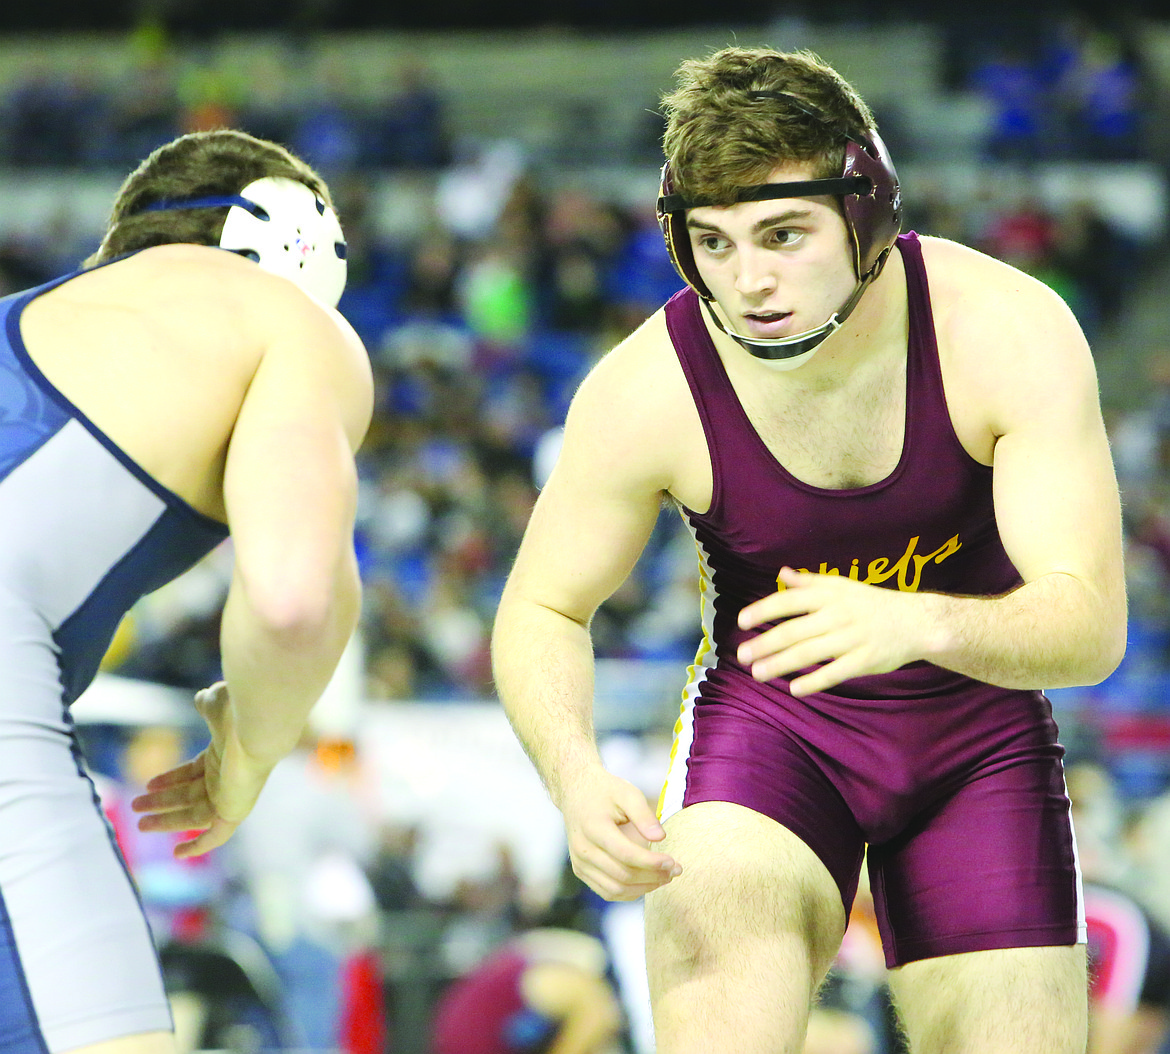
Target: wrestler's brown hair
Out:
[196,165]
[718,138]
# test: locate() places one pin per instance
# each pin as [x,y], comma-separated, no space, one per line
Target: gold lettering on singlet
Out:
[908,567]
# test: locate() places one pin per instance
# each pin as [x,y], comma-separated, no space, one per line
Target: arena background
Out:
[495,166]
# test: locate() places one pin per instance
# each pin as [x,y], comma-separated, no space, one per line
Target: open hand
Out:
[853,628]
[209,795]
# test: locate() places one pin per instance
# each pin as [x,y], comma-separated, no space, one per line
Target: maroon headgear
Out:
[868,187]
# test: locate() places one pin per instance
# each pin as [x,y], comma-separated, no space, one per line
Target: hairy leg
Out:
[737,946]
[1009,1001]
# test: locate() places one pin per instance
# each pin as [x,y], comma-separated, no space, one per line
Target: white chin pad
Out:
[300,240]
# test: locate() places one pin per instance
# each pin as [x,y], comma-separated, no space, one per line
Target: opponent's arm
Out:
[1058,512]
[589,525]
[290,487]
[290,491]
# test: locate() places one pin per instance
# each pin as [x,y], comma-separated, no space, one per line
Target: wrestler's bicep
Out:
[581,543]
[595,512]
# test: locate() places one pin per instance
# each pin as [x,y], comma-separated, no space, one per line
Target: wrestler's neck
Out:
[877,331]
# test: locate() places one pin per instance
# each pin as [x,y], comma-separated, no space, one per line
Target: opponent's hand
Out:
[212,793]
[854,628]
[610,827]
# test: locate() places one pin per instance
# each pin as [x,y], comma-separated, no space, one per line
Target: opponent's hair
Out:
[718,139]
[199,164]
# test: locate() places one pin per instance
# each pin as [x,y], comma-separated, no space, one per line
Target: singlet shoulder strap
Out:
[928,419]
[692,343]
[923,344]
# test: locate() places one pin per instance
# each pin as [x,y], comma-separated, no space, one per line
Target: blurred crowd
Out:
[481,324]
[479,329]
[1062,86]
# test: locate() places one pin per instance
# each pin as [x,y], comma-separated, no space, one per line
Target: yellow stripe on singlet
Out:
[696,673]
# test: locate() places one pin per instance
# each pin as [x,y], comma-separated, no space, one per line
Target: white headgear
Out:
[282,225]
[292,233]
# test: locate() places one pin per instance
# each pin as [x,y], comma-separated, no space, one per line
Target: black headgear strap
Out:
[808,188]
[218,201]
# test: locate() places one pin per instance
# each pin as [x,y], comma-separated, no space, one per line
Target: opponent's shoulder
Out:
[226,297]
[205,277]
[195,271]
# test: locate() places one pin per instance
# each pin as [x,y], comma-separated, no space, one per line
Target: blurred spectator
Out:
[581,236]
[432,274]
[542,991]
[54,119]
[209,97]
[497,300]
[327,130]
[302,855]
[1011,84]
[1098,258]
[1100,86]
[181,897]
[471,193]
[1072,90]
[407,130]
[1129,951]
[391,871]
[176,894]
[145,109]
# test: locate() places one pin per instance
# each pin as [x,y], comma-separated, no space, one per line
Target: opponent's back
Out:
[84,530]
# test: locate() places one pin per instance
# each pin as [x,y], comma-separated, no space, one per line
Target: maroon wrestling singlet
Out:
[955,785]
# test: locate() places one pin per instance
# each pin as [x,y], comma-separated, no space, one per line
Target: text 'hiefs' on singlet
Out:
[929,525]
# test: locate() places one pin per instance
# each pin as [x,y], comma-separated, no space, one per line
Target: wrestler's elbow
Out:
[1112,624]
[1098,651]
[1109,652]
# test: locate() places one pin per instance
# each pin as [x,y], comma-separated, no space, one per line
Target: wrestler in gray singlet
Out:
[84,532]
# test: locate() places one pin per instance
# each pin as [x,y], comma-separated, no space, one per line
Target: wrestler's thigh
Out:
[752,898]
[1007,1000]
[993,867]
[734,755]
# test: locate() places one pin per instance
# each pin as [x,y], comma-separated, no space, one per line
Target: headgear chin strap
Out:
[285,228]
[786,353]
[871,203]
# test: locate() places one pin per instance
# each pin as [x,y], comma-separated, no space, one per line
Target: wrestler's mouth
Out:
[766,323]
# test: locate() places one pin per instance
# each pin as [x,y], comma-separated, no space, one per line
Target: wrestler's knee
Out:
[746,880]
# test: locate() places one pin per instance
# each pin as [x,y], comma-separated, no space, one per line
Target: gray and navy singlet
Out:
[84,532]
[955,785]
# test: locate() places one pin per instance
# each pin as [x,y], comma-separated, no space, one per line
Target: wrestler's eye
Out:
[786,237]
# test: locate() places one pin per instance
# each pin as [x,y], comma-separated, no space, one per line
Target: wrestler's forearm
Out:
[1054,632]
[543,667]
[276,670]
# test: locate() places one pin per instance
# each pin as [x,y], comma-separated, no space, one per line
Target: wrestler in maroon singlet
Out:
[956,785]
